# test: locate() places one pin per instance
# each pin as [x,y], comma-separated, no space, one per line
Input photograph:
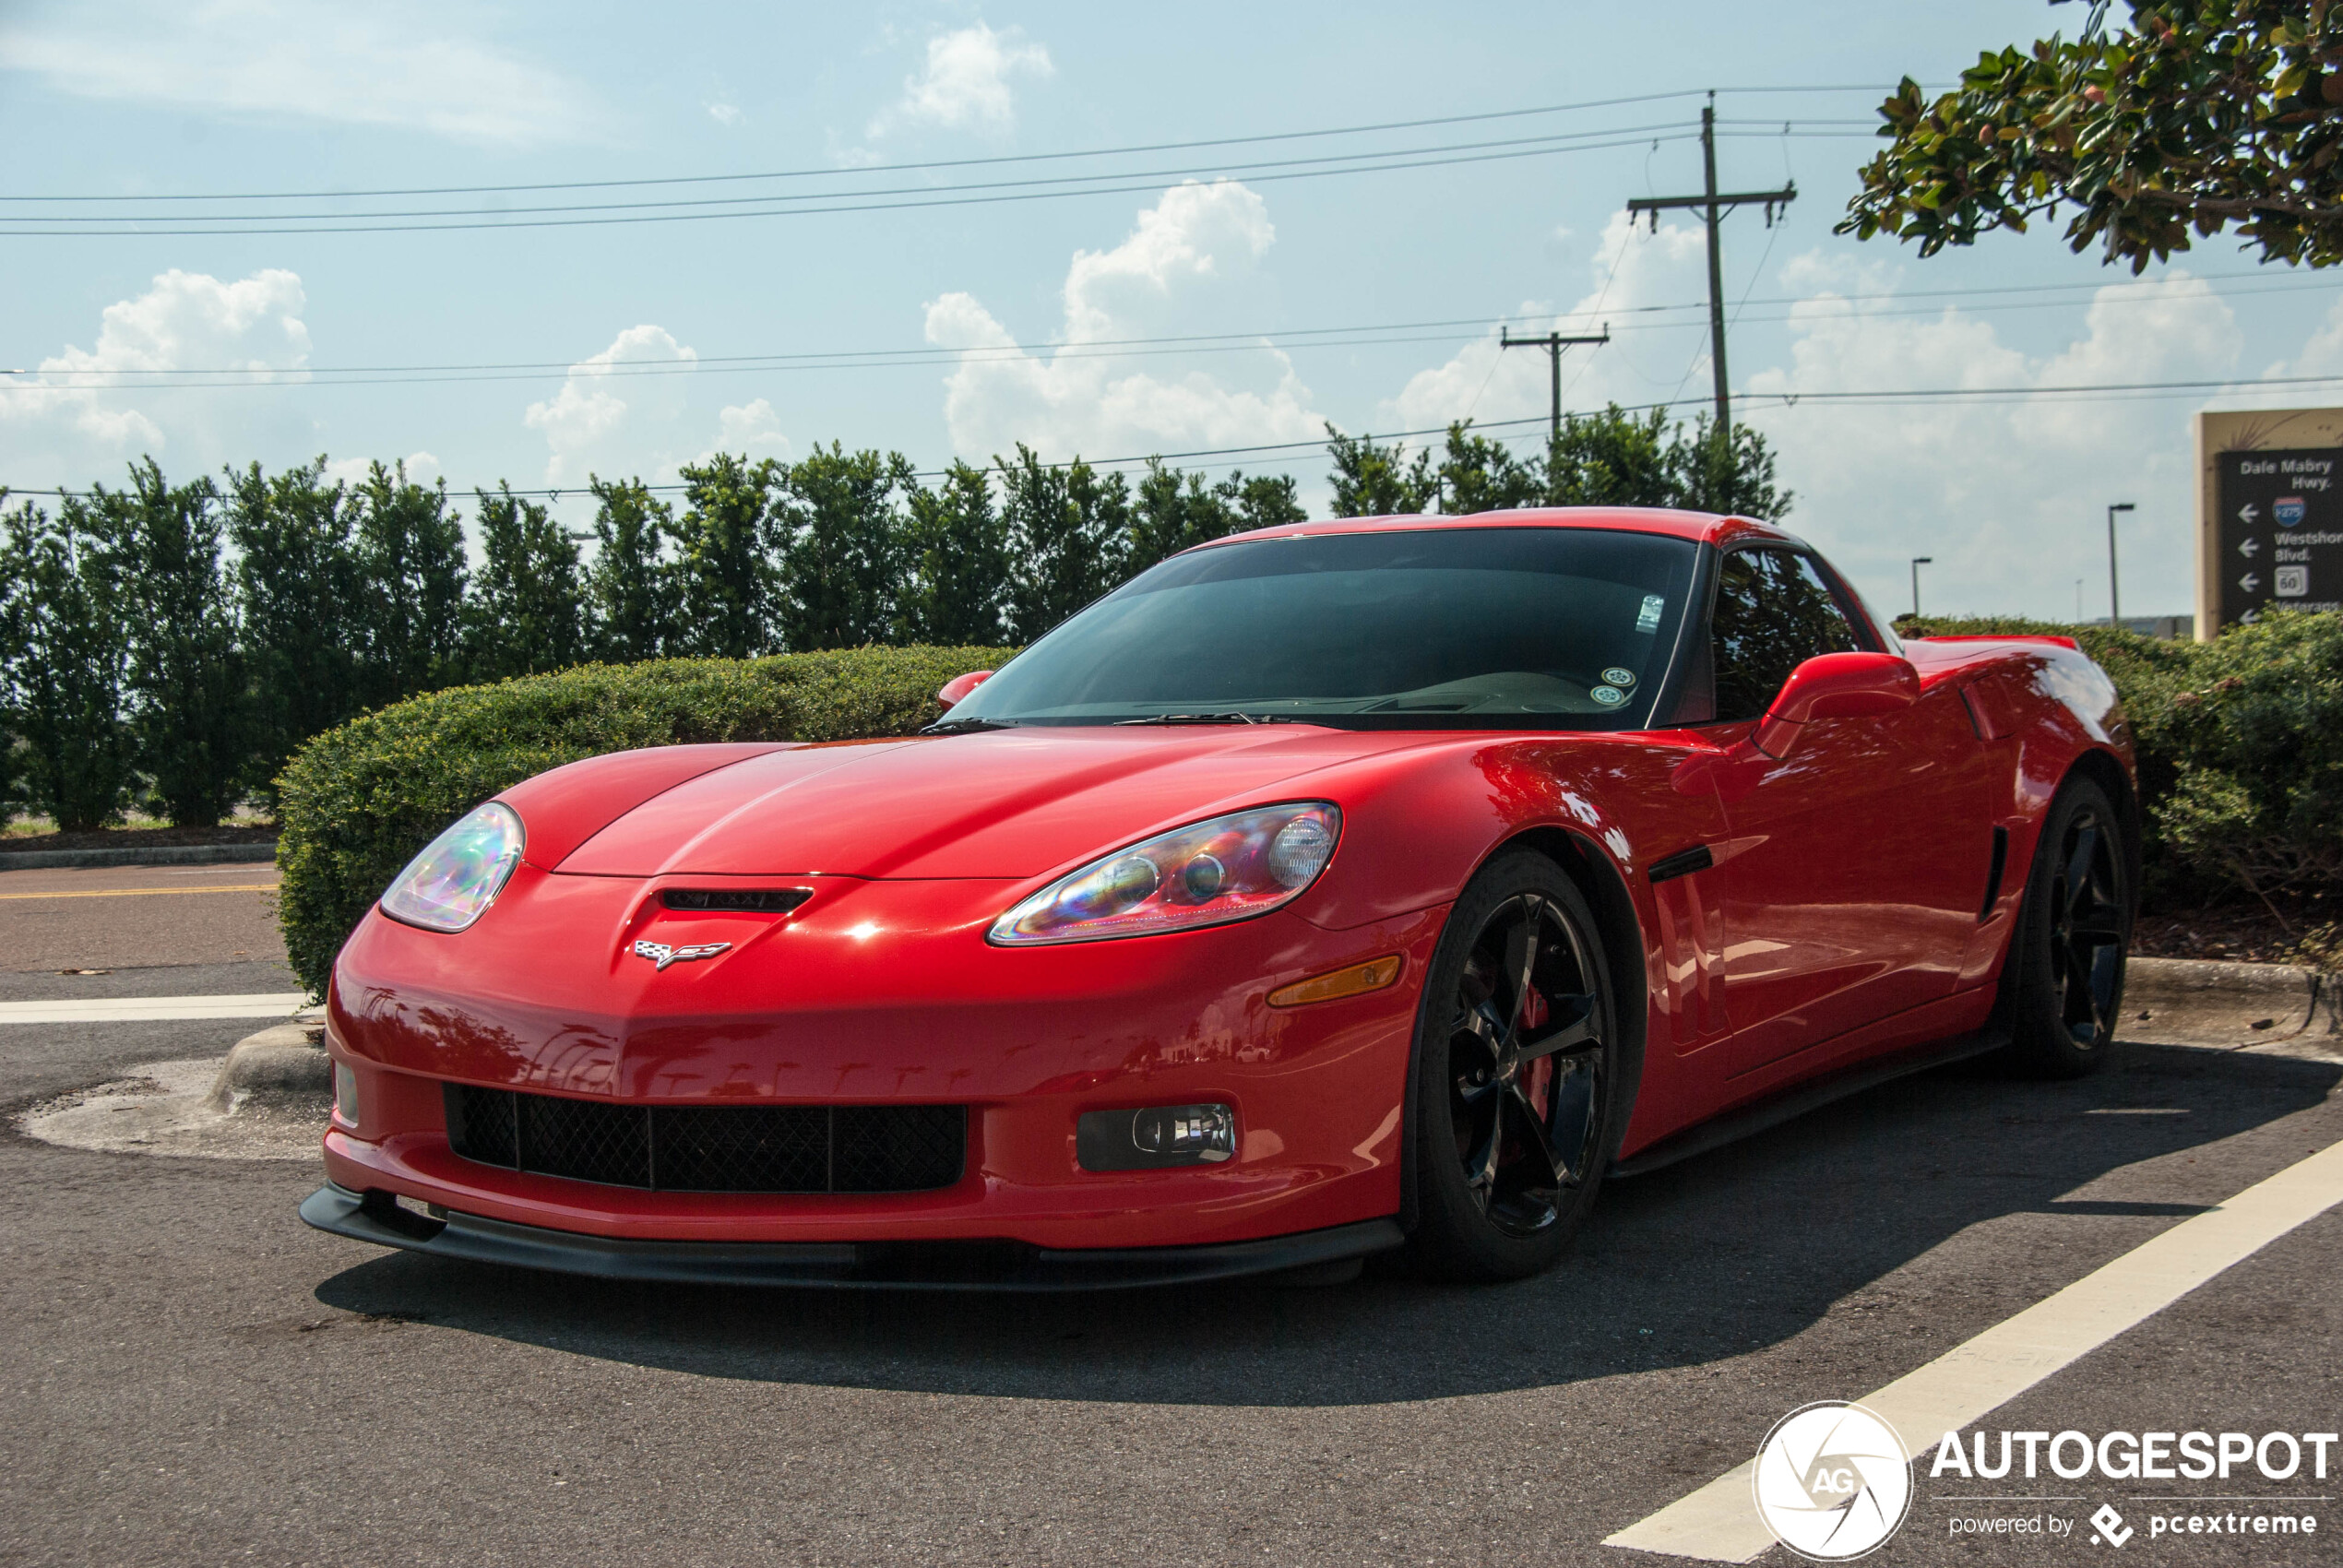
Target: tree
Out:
[186,684]
[410,576]
[956,547]
[65,653]
[1067,531]
[297,595]
[631,590]
[526,613]
[727,578]
[1478,474]
[1707,475]
[1175,511]
[1373,482]
[842,550]
[1612,458]
[2201,114]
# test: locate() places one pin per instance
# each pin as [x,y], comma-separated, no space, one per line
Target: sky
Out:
[982,229]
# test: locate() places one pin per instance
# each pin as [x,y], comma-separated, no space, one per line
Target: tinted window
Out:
[1774,613]
[1551,628]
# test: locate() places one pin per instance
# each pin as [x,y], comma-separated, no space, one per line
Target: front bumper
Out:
[935,1266]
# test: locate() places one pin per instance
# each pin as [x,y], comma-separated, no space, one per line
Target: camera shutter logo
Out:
[1833,1481]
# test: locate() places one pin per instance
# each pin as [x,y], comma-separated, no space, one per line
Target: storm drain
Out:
[731,1148]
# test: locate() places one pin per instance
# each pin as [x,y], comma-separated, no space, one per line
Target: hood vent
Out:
[736,900]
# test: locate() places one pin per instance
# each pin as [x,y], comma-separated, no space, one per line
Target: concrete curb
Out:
[2204,1002]
[158,855]
[284,1062]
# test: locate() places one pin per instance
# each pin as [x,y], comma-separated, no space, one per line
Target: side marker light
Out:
[1334,984]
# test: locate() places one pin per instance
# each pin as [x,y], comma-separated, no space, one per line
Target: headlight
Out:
[1228,869]
[452,882]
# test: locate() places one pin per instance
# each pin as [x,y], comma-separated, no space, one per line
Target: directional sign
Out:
[2290,505]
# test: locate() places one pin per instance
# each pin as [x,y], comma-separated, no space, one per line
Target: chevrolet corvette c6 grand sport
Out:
[1364,885]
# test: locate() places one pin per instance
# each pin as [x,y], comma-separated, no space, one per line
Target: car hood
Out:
[1007,804]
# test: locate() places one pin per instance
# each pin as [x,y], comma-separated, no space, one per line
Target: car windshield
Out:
[1421,628]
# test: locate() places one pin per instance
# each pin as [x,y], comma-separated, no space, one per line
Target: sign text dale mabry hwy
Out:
[2281,531]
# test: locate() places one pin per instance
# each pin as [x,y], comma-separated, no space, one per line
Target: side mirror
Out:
[1836,685]
[955,690]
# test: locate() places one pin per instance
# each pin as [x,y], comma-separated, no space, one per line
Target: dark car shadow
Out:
[1728,1252]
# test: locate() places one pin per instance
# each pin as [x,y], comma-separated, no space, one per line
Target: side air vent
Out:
[748,900]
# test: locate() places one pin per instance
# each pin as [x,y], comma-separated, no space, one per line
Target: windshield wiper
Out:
[1209,719]
[967,726]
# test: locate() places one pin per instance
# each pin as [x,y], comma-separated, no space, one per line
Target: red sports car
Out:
[1369,884]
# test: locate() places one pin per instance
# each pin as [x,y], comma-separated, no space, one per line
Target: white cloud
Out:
[608,421]
[966,81]
[422,467]
[751,429]
[412,64]
[1630,271]
[2006,494]
[71,412]
[726,114]
[1076,398]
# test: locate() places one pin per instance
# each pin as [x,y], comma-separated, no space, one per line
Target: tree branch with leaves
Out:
[2201,115]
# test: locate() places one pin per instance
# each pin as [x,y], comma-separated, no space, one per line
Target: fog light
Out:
[1154,1136]
[345,1095]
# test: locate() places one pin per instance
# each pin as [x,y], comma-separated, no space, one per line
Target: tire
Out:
[1516,1107]
[2063,983]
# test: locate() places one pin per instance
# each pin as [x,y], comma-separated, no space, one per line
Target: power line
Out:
[839,202]
[1788,399]
[1218,171]
[1130,150]
[67,379]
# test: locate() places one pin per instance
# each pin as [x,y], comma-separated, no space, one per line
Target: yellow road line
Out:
[143,892]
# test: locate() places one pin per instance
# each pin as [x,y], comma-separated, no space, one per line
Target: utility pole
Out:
[1554,343]
[2114,597]
[1714,207]
[1918,562]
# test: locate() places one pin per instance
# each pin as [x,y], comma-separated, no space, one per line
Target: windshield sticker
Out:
[1618,676]
[1610,697]
[1647,619]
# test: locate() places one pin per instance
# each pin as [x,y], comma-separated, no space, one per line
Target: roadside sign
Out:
[2269,513]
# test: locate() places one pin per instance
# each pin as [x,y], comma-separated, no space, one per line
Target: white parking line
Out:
[1720,1522]
[147,1009]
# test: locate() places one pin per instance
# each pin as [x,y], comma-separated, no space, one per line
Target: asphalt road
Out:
[192,1376]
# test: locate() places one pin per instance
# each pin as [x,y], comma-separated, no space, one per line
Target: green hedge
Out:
[358,802]
[2240,746]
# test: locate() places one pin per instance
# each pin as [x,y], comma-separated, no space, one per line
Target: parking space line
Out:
[151,1009]
[1720,1523]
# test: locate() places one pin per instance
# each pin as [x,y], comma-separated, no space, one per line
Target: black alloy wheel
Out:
[1515,1069]
[2064,980]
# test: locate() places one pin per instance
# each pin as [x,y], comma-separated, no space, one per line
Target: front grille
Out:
[731,1148]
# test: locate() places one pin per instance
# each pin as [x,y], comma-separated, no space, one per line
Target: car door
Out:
[1853,867]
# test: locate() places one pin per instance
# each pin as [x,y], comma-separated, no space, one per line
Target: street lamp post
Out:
[2114,595]
[1918,562]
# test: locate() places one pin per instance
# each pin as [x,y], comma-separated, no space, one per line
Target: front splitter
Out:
[376,1216]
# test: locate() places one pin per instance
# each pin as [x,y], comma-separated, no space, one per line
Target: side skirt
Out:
[1735,1125]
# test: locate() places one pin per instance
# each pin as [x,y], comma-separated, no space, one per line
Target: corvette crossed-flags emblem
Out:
[662,955]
